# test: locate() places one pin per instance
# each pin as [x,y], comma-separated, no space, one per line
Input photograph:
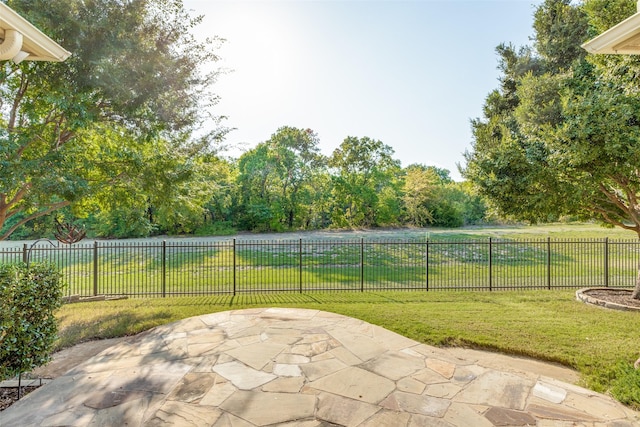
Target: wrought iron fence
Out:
[240,266]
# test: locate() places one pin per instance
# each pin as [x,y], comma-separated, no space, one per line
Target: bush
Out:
[28,327]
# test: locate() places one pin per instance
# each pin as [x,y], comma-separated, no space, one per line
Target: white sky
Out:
[409,73]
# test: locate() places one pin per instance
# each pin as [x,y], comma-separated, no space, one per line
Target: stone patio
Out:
[306,368]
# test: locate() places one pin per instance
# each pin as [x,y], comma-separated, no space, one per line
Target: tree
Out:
[365,181]
[431,197]
[134,77]
[276,180]
[419,186]
[571,144]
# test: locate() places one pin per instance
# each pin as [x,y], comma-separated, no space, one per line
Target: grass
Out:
[546,325]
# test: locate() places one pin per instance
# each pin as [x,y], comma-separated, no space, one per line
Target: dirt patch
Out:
[9,395]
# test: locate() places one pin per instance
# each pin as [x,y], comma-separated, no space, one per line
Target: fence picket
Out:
[165,269]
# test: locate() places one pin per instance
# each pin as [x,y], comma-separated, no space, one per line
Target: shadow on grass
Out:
[112,325]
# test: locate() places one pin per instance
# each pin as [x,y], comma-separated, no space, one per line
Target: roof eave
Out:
[39,46]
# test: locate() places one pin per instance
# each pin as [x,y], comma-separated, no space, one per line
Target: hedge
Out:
[29,296]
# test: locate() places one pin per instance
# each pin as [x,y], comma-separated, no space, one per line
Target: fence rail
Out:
[232,267]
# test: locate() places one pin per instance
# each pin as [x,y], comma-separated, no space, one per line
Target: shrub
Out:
[28,327]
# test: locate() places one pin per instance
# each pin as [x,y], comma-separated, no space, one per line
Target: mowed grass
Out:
[547,325]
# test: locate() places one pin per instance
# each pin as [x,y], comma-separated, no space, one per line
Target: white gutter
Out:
[21,40]
[624,38]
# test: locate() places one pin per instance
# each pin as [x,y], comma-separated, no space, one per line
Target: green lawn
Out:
[547,325]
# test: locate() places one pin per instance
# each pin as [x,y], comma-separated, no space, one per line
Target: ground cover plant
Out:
[546,325]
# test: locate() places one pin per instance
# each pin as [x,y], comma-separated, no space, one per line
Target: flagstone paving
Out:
[308,368]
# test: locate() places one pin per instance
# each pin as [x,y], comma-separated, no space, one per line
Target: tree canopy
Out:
[563,138]
[84,127]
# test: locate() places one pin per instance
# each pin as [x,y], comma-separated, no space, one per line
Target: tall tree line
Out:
[284,184]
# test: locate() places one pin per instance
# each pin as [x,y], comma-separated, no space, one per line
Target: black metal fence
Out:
[240,266]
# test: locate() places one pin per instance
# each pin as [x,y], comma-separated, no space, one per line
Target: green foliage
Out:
[366,177]
[30,296]
[120,113]
[566,142]
[624,384]
[221,228]
[276,180]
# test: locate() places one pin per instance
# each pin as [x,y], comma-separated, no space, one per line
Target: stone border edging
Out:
[582,296]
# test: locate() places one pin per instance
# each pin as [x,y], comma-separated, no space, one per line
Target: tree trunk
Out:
[636,291]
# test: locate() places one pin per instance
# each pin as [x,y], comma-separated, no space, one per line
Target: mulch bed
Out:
[9,395]
[617,296]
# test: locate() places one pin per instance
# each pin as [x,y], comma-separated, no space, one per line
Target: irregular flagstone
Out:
[444,390]
[391,340]
[343,411]
[205,364]
[218,393]
[322,368]
[463,415]
[605,407]
[410,385]
[556,412]
[345,356]
[468,373]
[78,416]
[355,383]
[394,365]
[114,398]
[307,423]
[228,420]
[386,418]
[322,356]
[287,370]
[128,413]
[416,404]
[284,385]
[257,355]
[282,336]
[501,389]
[363,347]
[424,421]
[549,392]
[444,368]
[509,417]
[428,376]
[193,387]
[214,319]
[289,358]
[303,368]
[182,414]
[243,377]
[264,409]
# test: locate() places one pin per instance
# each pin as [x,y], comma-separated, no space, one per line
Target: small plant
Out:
[626,384]
[30,295]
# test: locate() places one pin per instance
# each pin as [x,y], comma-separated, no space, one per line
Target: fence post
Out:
[95,268]
[490,264]
[25,252]
[549,263]
[606,262]
[426,264]
[234,267]
[164,268]
[361,264]
[300,259]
